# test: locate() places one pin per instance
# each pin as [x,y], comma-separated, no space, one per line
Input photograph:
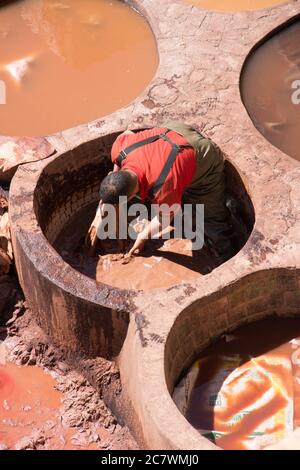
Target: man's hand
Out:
[91,237]
[138,246]
[151,229]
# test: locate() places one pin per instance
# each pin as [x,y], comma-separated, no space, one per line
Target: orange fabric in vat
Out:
[244,391]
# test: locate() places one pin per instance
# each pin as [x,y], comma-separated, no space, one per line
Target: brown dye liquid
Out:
[267,344]
[30,404]
[162,264]
[27,399]
[66,62]
[267,91]
[234,5]
[26,396]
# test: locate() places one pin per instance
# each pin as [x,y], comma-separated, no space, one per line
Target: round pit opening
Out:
[81,315]
[235,5]
[270,88]
[243,393]
[69,62]
[68,187]
[232,363]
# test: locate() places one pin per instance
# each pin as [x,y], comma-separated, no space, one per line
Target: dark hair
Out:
[118,183]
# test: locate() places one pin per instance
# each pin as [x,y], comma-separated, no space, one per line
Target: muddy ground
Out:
[82,421]
[77,417]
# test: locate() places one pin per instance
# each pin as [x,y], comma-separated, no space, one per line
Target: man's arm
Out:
[157,224]
[152,229]
[91,238]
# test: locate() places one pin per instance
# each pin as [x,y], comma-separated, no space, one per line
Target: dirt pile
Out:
[81,419]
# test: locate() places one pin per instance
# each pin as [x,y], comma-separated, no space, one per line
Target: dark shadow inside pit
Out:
[263,304]
[240,206]
[68,188]
[270,87]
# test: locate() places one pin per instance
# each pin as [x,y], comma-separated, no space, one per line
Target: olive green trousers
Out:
[208,188]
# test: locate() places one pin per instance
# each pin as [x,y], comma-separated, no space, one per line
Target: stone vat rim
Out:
[33,172]
[155,382]
[271,34]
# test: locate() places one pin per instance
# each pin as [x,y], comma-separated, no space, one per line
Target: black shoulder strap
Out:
[175,150]
[124,153]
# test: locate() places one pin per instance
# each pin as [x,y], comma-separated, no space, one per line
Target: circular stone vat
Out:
[72,203]
[68,303]
[69,62]
[235,5]
[270,88]
[242,393]
[258,296]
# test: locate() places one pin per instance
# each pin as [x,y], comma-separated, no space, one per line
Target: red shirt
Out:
[147,162]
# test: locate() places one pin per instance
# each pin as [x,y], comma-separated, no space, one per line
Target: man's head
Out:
[116,184]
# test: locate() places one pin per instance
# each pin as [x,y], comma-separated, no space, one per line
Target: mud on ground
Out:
[82,421]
